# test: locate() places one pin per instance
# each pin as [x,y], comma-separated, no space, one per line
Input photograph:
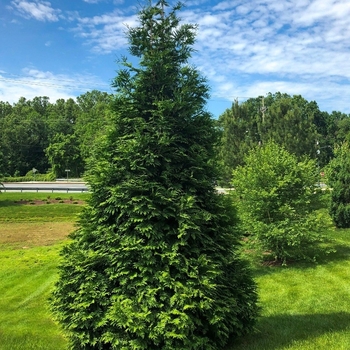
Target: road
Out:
[44,187]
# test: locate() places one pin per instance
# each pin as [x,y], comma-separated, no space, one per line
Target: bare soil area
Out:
[48,201]
[26,235]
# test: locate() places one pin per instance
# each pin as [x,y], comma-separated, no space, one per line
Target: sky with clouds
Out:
[63,48]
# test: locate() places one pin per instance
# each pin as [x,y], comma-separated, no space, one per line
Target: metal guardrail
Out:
[43,189]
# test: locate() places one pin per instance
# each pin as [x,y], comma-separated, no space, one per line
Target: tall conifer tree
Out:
[155,263]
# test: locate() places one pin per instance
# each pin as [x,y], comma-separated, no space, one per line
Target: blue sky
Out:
[63,48]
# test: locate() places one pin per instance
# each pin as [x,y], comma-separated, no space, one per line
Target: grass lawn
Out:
[31,234]
[304,306]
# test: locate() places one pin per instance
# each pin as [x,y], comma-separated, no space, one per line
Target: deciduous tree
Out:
[278,200]
[64,153]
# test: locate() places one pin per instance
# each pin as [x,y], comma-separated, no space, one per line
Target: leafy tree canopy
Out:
[289,121]
[278,199]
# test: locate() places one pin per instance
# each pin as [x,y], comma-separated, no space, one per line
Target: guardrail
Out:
[43,189]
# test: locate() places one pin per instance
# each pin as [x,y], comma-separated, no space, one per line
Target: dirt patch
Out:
[48,201]
[26,235]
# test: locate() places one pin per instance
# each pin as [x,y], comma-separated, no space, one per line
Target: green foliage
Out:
[277,201]
[155,263]
[94,119]
[239,134]
[23,139]
[290,121]
[339,180]
[29,127]
[64,153]
[30,177]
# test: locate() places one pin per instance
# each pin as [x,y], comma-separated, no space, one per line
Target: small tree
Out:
[277,201]
[339,180]
[155,263]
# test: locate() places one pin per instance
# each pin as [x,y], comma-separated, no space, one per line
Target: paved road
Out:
[58,186]
[45,187]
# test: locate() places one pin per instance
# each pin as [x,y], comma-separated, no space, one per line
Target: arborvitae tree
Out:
[339,180]
[155,263]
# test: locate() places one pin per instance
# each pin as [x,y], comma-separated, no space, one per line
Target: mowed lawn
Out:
[32,229]
[303,306]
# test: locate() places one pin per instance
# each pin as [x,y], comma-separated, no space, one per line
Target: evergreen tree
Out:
[339,180]
[155,263]
[289,122]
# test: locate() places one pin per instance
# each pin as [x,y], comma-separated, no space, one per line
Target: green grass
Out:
[304,306]
[22,207]
[27,277]
[30,240]
[17,196]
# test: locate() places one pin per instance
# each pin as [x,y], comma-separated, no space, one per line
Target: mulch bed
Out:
[48,201]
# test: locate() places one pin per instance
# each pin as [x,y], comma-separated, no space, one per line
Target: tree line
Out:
[291,121]
[51,137]
[54,137]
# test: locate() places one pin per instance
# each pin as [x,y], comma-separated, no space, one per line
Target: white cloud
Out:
[106,33]
[39,10]
[245,48]
[92,1]
[298,47]
[33,82]
[252,48]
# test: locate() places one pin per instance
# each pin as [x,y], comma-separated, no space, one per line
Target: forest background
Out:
[41,137]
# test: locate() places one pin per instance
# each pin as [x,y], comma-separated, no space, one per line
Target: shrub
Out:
[278,202]
[30,177]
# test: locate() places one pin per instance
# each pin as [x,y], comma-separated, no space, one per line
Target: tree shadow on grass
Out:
[341,253]
[276,332]
[6,203]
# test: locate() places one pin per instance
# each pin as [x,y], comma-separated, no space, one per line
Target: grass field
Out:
[31,234]
[304,306]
